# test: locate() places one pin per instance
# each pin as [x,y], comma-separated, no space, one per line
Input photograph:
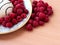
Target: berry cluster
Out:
[19,12]
[40,14]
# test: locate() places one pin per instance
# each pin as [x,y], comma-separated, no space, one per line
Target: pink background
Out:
[49,34]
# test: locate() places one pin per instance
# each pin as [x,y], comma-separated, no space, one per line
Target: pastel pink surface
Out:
[49,34]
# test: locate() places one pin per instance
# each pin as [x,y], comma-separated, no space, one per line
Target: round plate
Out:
[4,30]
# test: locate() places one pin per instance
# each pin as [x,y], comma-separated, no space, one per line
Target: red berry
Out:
[26,11]
[41,23]
[17,6]
[37,14]
[46,4]
[14,10]
[33,15]
[23,15]
[30,21]
[14,21]
[20,1]
[37,18]
[42,9]
[35,9]
[4,23]
[35,24]
[34,2]
[12,15]
[1,20]
[42,16]
[7,18]
[15,3]
[19,18]
[9,24]
[46,19]
[29,27]
[19,11]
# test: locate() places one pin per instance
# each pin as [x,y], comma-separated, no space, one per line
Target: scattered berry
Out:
[40,14]
[29,27]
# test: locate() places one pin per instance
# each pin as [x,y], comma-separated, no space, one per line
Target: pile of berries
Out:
[19,12]
[40,14]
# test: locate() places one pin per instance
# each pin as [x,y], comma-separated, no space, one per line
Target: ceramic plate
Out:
[4,30]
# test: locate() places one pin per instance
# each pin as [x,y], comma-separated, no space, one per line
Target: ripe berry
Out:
[26,11]
[35,24]
[12,15]
[19,18]
[4,23]
[30,21]
[34,2]
[9,24]
[7,18]
[14,21]
[29,27]
[42,16]
[46,19]
[33,15]
[23,15]
[15,3]
[1,20]
[42,9]
[41,23]
[37,18]
[19,11]
[17,6]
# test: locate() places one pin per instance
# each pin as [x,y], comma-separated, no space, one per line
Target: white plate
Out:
[4,30]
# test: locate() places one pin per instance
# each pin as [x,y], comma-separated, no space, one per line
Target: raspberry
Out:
[19,18]
[14,21]
[12,15]
[14,10]
[46,4]
[37,18]
[19,11]
[23,15]
[41,23]
[9,24]
[1,20]
[30,21]
[35,24]
[37,14]
[34,2]
[4,23]
[46,19]
[42,9]
[33,15]
[29,27]
[17,6]
[15,3]
[7,18]
[26,11]
[42,16]
[20,1]
[35,9]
